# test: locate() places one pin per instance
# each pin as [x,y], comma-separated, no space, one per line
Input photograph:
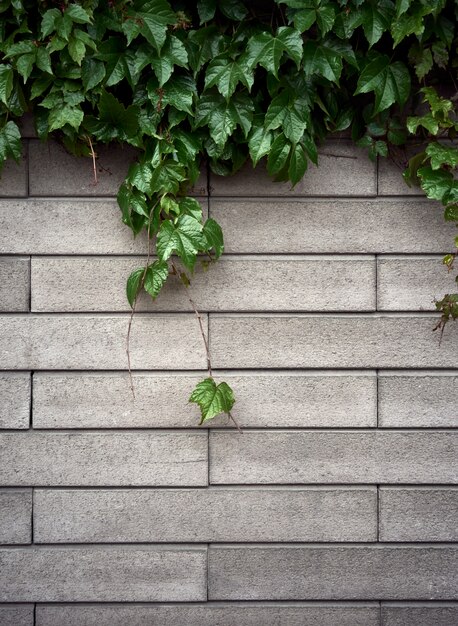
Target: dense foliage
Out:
[223,81]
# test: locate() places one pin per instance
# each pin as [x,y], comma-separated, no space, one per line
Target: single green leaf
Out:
[140,175]
[10,142]
[76,49]
[222,117]
[325,16]
[212,399]
[278,155]
[78,14]
[389,81]
[134,283]
[6,82]
[441,154]
[297,164]
[233,9]
[427,121]
[24,65]
[172,53]
[226,75]
[322,60]
[451,213]
[376,19]
[64,26]
[190,206]
[115,121]
[259,143]
[151,22]
[184,237]
[266,50]
[214,237]
[155,278]
[167,176]
[435,183]
[206,10]
[92,73]
[179,93]
[48,22]
[66,114]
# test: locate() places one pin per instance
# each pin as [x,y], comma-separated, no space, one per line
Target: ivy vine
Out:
[220,82]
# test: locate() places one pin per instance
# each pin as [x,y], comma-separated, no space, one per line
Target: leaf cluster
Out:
[223,82]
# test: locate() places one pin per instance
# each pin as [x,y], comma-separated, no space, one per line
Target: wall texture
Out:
[337,504]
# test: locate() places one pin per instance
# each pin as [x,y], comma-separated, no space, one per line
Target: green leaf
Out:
[427,121]
[435,183]
[140,175]
[66,114]
[6,82]
[376,19]
[184,237]
[179,93]
[442,155]
[389,81]
[173,53]
[48,22]
[10,142]
[76,49]
[233,9]
[222,117]
[167,176]
[190,206]
[297,164]
[151,22]
[155,278]
[92,73]
[451,213]
[24,65]
[78,14]
[259,143]
[322,60]
[212,399]
[278,155]
[226,75]
[134,283]
[115,121]
[214,237]
[267,50]
[44,60]
[206,10]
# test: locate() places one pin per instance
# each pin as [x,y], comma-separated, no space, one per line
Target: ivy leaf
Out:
[24,65]
[133,286]
[222,117]
[166,177]
[173,53]
[226,75]
[206,10]
[212,399]
[140,175]
[76,49]
[185,238]
[389,81]
[151,22]
[190,206]
[278,155]
[78,14]
[155,278]
[48,22]
[6,82]
[442,155]
[451,213]
[233,9]
[427,121]
[214,237]
[322,60]
[10,142]
[435,183]
[259,143]
[63,115]
[115,121]
[297,164]
[266,50]
[92,73]
[376,19]
[179,93]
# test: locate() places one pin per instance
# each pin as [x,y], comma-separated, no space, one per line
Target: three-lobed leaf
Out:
[212,399]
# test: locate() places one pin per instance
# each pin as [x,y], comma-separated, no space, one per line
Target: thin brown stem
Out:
[236,424]
[94,156]
[199,319]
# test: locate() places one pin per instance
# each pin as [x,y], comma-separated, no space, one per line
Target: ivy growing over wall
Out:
[220,82]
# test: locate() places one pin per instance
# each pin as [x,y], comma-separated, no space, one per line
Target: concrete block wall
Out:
[338,504]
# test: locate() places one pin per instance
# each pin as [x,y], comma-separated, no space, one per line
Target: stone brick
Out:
[423,514]
[205,515]
[437,614]
[391,181]
[418,399]
[13,179]
[16,615]
[333,457]
[73,176]
[404,225]
[210,614]
[326,572]
[103,459]
[344,170]
[412,283]
[15,516]
[99,342]
[103,574]
[286,399]
[15,400]
[308,341]
[318,283]
[14,283]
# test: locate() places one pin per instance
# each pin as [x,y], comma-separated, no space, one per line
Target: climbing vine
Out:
[220,82]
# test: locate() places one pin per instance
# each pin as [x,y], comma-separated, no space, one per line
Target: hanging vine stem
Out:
[185,283]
